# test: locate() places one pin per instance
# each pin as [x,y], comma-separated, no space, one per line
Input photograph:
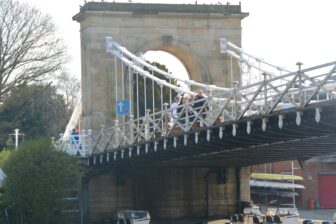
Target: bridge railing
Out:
[292,91]
[81,144]
[301,88]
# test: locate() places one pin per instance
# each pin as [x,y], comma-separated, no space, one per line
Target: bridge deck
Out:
[292,142]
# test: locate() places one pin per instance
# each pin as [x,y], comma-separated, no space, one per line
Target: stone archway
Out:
[196,69]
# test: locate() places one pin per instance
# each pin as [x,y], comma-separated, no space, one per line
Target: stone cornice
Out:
[83,15]
[169,10]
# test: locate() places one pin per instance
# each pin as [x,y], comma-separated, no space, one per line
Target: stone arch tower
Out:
[190,32]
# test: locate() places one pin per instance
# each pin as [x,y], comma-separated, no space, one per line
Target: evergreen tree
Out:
[38,178]
[37,110]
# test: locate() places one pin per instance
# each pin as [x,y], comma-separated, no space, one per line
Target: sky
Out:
[282,32]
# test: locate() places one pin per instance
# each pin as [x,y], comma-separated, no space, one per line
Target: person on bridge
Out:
[74,136]
[190,109]
[199,101]
[75,140]
[184,109]
[174,106]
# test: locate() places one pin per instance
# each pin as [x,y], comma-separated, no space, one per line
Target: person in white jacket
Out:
[174,106]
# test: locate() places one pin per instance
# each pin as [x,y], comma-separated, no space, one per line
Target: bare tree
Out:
[69,87]
[29,48]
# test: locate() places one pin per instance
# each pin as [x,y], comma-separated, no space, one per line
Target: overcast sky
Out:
[279,31]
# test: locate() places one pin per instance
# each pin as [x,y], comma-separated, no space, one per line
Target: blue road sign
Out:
[123,107]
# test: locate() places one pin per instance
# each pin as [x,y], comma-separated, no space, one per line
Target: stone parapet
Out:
[158,8]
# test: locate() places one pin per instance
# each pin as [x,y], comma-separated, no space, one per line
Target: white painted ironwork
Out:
[248,127]
[74,119]
[317,114]
[291,91]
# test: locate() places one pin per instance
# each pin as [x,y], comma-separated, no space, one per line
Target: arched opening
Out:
[149,95]
[180,53]
[172,63]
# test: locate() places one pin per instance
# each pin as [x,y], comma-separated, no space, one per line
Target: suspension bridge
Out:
[189,161]
[281,115]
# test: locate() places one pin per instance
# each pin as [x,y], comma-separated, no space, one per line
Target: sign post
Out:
[123,107]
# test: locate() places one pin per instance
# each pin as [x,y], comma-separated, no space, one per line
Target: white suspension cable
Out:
[157,80]
[254,57]
[259,69]
[153,95]
[145,92]
[137,96]
[170,92]
[123,91]
[122,81]
[130,89]
[231,74]
[113,44]
[116,84]
[74,119]
[161,91]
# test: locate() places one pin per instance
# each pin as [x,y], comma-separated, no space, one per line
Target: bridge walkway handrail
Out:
[261,98]
[273,93]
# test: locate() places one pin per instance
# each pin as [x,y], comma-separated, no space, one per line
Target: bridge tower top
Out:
[157,8]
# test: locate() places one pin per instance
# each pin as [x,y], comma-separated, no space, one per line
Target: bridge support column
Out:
[168,193]
[83,200]
[238,198]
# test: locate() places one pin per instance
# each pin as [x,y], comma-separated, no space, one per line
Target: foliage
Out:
[29,47]
[140,93]
[4,155]
[38,177]
[37,110]
[69,87]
